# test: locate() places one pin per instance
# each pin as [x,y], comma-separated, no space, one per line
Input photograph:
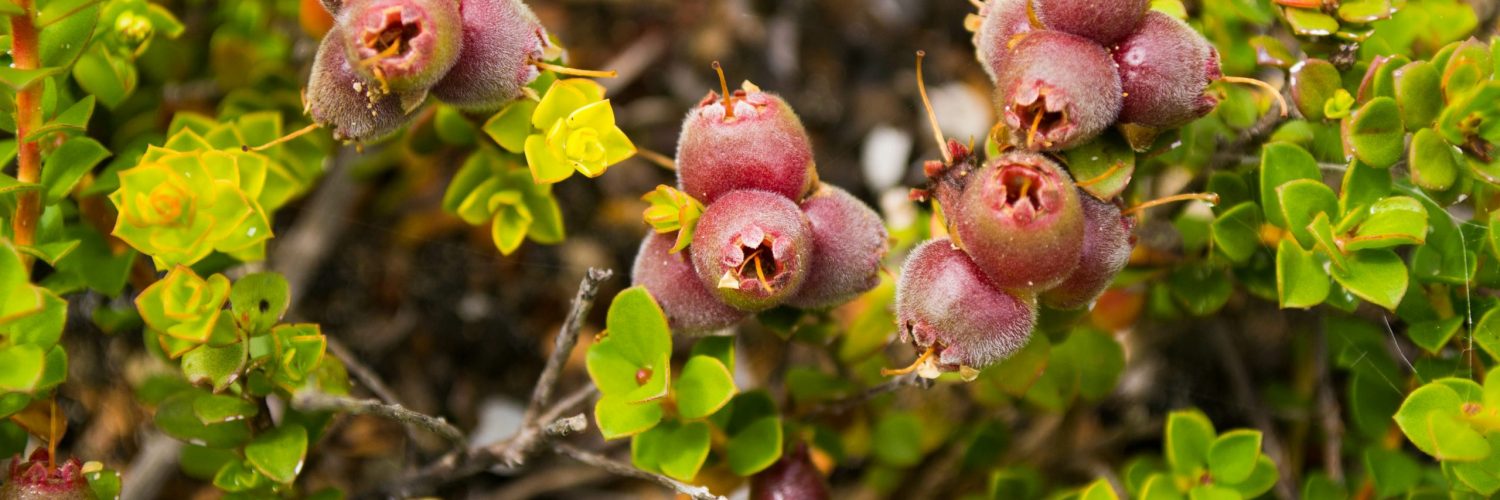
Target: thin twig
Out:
[1329,415]
[317,401]
[567,337]
[627,470]
[840,406]
[366,376]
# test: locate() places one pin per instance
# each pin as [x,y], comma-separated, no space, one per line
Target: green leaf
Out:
[633,357]
[705,386]
[1433,335]
[452,127]
[67,30]
[177,417]
[1189,436]
[1160,487]
[1236,231]
[1375,133]
[104,483]
[1434,163]
[42,327]
[1393,471]
[1213,492]
[20,79]
[683,448]
[104,75]
[511,125]
[1308,22]
[755,447]
[1431,418]
[1303,200]
[216,367]
[1098,490]
[237,476]
[1102,167]
[64,167]
[1484,475]
[1418,94]
[259,300]
[1392,221]
[720,348]
[897,440]
[217,409]
[1281,163]
[75,118]
[1314,81]
[1378,276]
[1232,456]
[618,417]
[1487,334]
[278,454]
[1200,287]
[1301,281]
[23,367]
[1261,479]
[512,220]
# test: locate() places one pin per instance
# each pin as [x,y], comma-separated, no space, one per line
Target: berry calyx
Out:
[945,304]
[1020,219]
[1106,250]
[849,242]
[1056,91]
[351,107]
[37,478]
[747,139]
[404,45]
[502,41]
[752,249]
[690,307]
[1104,24]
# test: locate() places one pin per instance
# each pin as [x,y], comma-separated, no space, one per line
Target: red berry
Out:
[944,302]
[1057,91]
[1103,21]
[670,278]
[34,479]
[849,241]
[349,106]
[760,145]
[407,44]
[1001,21]
[794,477]
[1165,69]
[752,249]
[1106,249]
[501,40]
[1021,221]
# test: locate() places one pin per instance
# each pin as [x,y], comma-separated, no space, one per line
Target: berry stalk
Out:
[24,53]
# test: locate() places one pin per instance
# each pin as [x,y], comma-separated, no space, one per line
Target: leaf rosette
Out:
[183,308]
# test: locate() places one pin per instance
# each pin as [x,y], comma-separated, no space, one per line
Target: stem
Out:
[564,70]
[24,52]
[1263,85]
[937,132]
[317,401]
[1210,198]
[623,469]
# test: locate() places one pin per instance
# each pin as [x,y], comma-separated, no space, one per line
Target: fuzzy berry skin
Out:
[945,302]
[849,241]
[1103,21]
[1021,221]
[670,278]
[345,104]
[762,146]
[737,228]
[32,479]
[1165,69]
[411,44]
[1063,87]
[1106,250]
[1001,21]
[794,477]
[501,40]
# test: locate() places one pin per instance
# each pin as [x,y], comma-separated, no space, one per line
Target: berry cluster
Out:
[770,233]
[1066,70]
[384,57]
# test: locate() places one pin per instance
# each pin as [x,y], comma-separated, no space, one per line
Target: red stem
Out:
[28,117]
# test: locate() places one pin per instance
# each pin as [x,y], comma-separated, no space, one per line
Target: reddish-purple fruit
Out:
[1165,69]
[1106,249]
[501,41]
[849,241]
[945,303]
[1057,91]
[670,278]
[752,249]
[406,44]
[794,477]
[345,104]
[1021,221]
[1000,22]
[1103,21]
[754,141]
[34,479]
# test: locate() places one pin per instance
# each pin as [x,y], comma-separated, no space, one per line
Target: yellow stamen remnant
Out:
[1263,85]
[760,272]
[937,132]
[724,87]
[1025,187]
[659,159]
[914,366]
[282,139]
[564,70]
[1101,177]
[1036,121]
[1210,198]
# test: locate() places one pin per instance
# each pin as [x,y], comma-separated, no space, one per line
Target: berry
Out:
[792,477]
[1057,91]
[751,140]
[1103,21]
[670,278]
[945,303]
[407,45]
[501,41]
[333,6]
[752,249]
[849,241]
[34,479]
[1001,21]
[1021,221]
[339,100]
[1106,249]
[1165,69]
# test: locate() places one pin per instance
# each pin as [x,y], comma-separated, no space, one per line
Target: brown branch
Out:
[363,373]
[317,401]
[567,337]
[623,469]
[1239,379]
[1329,415]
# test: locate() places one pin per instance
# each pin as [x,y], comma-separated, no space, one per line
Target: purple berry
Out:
[1106,249]
[792,477]
[670,278]
[1000,22]
[849,241]
[1020,219]
[501,40]
[406,44]
[752,249]
[1165,69]
[350,107]
[1103,21]
[945,303]
[759,145]
[1057,91]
